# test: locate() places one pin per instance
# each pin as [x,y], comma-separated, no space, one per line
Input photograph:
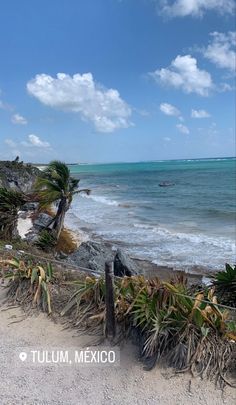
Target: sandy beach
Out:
[56,384]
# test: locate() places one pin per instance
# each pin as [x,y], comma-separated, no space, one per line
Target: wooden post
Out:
[110,328]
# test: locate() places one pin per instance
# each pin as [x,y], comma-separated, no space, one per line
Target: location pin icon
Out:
[23,356]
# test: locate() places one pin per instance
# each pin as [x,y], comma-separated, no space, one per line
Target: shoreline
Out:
[149,269]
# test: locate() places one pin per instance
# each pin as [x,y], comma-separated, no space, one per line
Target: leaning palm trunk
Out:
[58,221]
[57,186]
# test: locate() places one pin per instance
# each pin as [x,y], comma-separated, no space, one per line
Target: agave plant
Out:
[30,282]
[225,285]
[86,306]
[184,330]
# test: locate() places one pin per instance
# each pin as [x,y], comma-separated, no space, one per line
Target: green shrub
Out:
[28,283]
[47,241]
[189,333]
[225,285]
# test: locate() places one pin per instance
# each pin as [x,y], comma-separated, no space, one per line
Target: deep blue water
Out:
[187,224]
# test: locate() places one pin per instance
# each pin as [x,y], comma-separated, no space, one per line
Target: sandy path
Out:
[70,385]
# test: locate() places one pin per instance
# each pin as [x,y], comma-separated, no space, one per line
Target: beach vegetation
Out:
[55,186]
[46,241]
[225,285]
[28,283]
[171,323]
[188,332]
[10,203]
[66,242]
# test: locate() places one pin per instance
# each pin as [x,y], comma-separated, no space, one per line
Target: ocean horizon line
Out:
[138,161]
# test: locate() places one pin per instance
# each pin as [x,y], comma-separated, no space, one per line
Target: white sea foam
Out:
[101,199]
[162,245]
[144,226]
[189,225]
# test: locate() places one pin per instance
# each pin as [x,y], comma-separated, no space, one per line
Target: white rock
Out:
[8,247]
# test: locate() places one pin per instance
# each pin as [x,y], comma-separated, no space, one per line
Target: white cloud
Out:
[81,94]
[166,139]
[184,74]
[5,106]
[143,113]
[221,50]
[169,109]
[18,119]
[35,141]
[199,114]
[196,8]
[225,87]
[9,142]
[182,128]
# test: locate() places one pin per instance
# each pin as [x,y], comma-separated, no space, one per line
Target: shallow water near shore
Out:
[188,224]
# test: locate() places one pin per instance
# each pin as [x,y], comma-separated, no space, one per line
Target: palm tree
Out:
[56,186]
[10,203]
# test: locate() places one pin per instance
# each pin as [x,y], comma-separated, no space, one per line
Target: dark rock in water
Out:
[166,184]
[42,221]
[92,255]
[123,265]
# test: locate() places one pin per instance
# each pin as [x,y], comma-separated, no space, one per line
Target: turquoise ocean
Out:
[186,225]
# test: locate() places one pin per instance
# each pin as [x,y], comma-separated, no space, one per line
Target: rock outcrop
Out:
[40,223]
[124,265]
[30,206]
[17,175]
[93,255]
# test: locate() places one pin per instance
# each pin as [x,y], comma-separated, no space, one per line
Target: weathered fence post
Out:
[110,328]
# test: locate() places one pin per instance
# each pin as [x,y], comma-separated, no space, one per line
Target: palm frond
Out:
[10,202]
[59,172]
[10,199]
[82,190]
[74,184]
[55,185]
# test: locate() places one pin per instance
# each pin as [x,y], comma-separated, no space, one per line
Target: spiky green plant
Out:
[47,240]
[225,285]
[10,203]
[184,331]
[56,186]
[28,283]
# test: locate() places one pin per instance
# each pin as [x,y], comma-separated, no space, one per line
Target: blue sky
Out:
[113,80]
